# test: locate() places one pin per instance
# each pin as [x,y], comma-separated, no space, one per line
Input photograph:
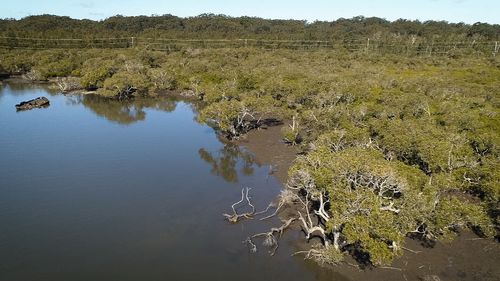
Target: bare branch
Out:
[410,250]
[234,217]
[390,208]
[251,245]
[272,204]
[321,210]
[280,204]
[270,239]
[310,229]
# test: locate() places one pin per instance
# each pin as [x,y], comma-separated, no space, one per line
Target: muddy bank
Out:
[267,146]
[465,258]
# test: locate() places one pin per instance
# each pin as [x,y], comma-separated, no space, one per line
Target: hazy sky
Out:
[468,11]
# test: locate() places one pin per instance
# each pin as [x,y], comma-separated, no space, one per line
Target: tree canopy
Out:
[212,26]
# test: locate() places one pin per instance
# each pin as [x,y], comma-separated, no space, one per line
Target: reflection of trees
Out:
[225,161]
[73,99]
[19,87]
[125,112]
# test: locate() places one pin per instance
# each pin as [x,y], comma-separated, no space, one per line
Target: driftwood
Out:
[285,197]
[270,240]
[34,103]
[235,217]
[312,254]
[272,236]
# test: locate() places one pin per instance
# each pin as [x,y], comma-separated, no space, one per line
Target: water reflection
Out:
[226,162]
[107,202]
[19,87]
[124,112]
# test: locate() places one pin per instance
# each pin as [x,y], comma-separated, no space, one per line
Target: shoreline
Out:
[467,257]
[269,149]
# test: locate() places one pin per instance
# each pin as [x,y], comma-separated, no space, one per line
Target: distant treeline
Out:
[211,26]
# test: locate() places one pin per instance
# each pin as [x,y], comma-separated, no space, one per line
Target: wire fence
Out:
[410,47]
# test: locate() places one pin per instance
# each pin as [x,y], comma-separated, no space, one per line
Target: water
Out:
[98,190]
[92,189]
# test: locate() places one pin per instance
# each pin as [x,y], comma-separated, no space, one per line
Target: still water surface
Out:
[98,190]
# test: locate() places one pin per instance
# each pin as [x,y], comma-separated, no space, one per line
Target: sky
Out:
[467,11]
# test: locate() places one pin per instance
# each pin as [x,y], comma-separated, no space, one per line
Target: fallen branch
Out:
[251,245]
[410,250]
[286,197]
[270,239]
[280,204]
[320,256]
[266,209]
[235,217]
[390,267]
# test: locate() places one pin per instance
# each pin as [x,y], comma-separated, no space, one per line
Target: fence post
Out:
[132,43]
[495,50]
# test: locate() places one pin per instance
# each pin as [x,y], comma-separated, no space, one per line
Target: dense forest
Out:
[210,26]
[393,145]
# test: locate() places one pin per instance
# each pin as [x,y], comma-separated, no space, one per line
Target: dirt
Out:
[468,257]
[269,149]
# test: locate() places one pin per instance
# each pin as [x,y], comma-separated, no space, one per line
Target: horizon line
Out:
[255,17]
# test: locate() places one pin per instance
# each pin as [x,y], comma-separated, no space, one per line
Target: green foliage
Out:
[161,79]
[125,85]
[95,72]
[339,139]
[375,203]
[453,213]
[329,255]
[291,133]
[222,26]
[400,145]
[224,115]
